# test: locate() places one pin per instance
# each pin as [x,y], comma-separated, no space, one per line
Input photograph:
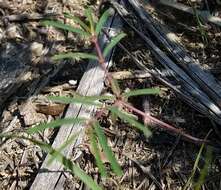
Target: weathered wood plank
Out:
[90,84]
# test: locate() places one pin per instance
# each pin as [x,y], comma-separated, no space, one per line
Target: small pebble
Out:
[1,34]
[12,32]
[72,82]
[36,49]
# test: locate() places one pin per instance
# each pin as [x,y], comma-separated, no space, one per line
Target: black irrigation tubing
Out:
[199,100]
[162,78]
[204,79]
[159,75]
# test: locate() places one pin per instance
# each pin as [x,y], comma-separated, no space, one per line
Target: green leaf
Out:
[102,21]
[94,98]
[76,99]
[113,118]
[204,170]
[115,87]
[130,120]
[107,150]
[60,25]
[112,43]
[54,124]
[68,164]
[8,135]
[62,147]
[76,56]
[76,170]
[89,15]
[105,97]
[77,21]
[142,92]
[189,181]
[90,100]
[86,178]
[96,152]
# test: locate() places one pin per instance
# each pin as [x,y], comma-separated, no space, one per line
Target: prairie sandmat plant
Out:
[90,30]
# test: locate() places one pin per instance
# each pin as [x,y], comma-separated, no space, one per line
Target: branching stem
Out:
[121,103]
[164,125]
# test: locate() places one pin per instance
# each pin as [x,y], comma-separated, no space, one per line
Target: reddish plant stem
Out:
[120,102]
[101,60]
[165,126]
[98,50]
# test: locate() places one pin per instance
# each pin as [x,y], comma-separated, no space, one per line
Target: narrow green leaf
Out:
[76,170]
[62,147]
[68,164]
[107,150]
[44,146]
[130,120]
[102,21]
[204,171]
[54,124]
[8,135]
[112,43]
[89,15]
[189,181]
[77,56]
[96,151]
[86,178]
[81,99]
[76,99]
[94,98]
[105,97]
[77,21]
[115,87]
[113,118]
[142,92]
[60,25]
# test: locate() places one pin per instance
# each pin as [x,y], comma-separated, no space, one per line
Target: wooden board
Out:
[92,82]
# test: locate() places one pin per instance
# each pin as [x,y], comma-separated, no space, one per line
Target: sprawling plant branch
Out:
[164,125]
[146,117]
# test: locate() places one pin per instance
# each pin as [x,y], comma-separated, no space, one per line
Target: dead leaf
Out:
[30,115]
